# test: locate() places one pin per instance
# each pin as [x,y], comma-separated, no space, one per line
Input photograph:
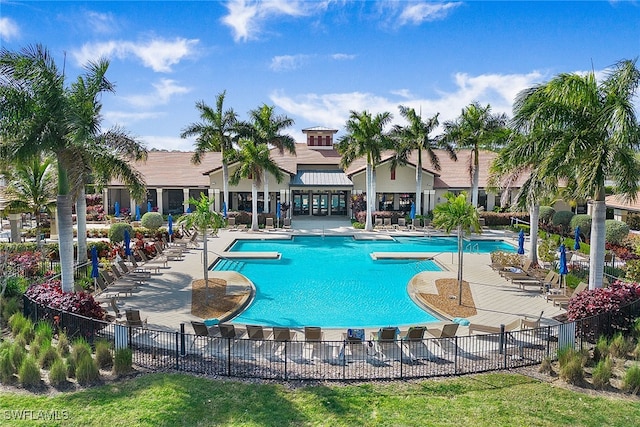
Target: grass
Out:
[479,400]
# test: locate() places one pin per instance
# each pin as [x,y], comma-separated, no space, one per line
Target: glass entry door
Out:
[301,204]
[320,204]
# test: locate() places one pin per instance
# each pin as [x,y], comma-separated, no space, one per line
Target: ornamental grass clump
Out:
[18,354]
[104,358]
[58,373]
[71,366]
[29,372]
[601,350]
[80,349]
[7,370]
[601,375]
[620,346]
[571,366]
[631,380]
[43,332]
[63,344]
[17,322]
[123,361]
[87,371]
[48,356]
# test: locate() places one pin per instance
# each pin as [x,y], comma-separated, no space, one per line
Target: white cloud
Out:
[288,62]
[333,109]
[157,54]
[247,17]
[126,118]
[101,23]
[167,143]
[8,29]
[417,13]
[342,56]
[165,89]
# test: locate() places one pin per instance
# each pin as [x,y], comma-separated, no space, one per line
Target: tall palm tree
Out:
[103,155]
[415,137]
[457,213]
[476,129]
[365,137]
[254,160]
[215,133]
[519,158]
[203,218]
[266,128]
[591,130]
[31,186]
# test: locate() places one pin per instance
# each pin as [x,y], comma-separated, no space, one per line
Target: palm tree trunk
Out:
[368,224]
[81,214]
[266,191]
[419,187]
[225,184]
[205,260]
[254,206]
[65,240]
[596,252]
[475,179]
[374,196]
[460,255]
[534,215]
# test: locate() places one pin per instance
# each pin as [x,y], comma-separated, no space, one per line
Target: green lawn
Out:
[173,400]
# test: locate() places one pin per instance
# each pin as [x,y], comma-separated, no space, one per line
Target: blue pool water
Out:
[333,281]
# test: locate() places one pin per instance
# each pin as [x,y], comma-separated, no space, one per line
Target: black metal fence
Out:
[298,359]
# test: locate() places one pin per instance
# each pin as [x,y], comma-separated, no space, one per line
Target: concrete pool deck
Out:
[166,299]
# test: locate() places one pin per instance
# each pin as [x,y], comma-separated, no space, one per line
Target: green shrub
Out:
[572,371]
[58,373]
[29,372]
[103,354]
[615,231]
[601,375]
[16,323]
[43,332]
[601,350]
[116,232]
[27,332]
[152,220]
[63,344]
[7,370]
[620,346]
[584,222]
[546,214]
[636,352]
[71,367]
[546,366]
[48,356]
[633,221]
[20,341]
[34,349]
[635,329]
[10,306]
[80,349]
[18,354]
[563,218]
[16,285]
[87,370]
[631,380]
[123,361]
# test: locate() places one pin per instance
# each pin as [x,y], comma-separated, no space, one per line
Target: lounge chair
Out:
[515,271]
[517,324]
[134,320]
[417,346]
[269,224]
[414,333]
[286,223]
[313,333]
[227,330]
[549,280]
[133,272]
[448,330]
[563,300]
[172,254]
[387,344]
[283,334]
[200,330]
[114,307]
[120,277]
[258,333]
[107,286]
[157,260]
[146,269]
[385,334]
[186,243]
[386,224]
[231,224]
[402,224]
[378,224]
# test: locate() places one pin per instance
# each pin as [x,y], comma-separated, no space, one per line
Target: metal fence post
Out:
[183,350]
[177,335]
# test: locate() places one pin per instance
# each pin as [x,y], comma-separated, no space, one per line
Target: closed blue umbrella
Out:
[148,206]
[188,209]
[278,213]
[127,242]
[116,208]
[170,219]
[95,271]
[576,245]
[224,210]
[412,213]
[521,242]
[137,213]
[562,269]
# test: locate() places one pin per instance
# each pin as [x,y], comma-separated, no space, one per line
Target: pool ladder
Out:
[472,247]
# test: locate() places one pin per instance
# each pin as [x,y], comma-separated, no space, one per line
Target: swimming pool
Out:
[334,282]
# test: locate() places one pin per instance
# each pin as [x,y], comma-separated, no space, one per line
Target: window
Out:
[405,202]
[327,141]
[311,140]
[385,201]
[393,173]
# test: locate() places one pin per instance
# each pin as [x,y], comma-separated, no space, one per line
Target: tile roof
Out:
[619,202]
[321,178]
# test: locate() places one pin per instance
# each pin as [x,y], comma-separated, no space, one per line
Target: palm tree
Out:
[31,187]
[203,218]
[214,133]
[457,213]
[591,131]
[415,137]
[105,155]
[518,158]
[254,160]
[476,129]
[265,128]
[365,137]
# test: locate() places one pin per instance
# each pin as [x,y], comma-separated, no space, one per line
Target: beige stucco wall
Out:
[405,181]
[244,185]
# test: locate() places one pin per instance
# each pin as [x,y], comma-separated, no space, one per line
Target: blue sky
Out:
[317,60]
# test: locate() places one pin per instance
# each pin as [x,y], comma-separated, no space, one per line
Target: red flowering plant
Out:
[50,294]
[610,300]
[28,263]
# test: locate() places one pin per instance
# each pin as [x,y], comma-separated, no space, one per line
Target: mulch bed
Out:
[218,302]
[446,301]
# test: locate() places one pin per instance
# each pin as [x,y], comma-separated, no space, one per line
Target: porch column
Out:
[159,199]
[217,206]
[14,219]
[105,200]
[185,199]
[211,193]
